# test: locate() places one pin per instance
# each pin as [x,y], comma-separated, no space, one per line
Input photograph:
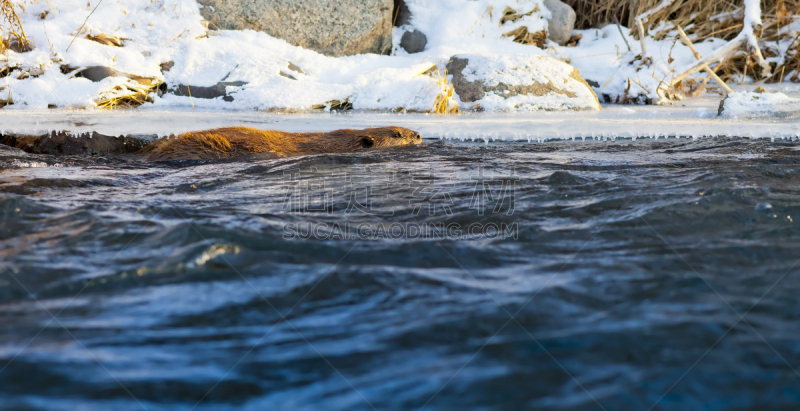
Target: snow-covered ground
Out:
[693,118]
[161,31]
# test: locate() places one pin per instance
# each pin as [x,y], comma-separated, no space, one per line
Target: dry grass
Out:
[103,38]
[338,105]
[510,15]
[12,36]
[523,36]
[135,92]
[598,13]
[444,103]
[703,19]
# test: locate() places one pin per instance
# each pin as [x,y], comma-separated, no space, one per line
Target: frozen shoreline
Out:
[164,49]
[690,118]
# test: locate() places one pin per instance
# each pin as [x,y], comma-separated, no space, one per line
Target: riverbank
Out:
[163,55]
[694,118]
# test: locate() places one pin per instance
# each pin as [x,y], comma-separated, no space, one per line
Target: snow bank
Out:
[528,83]
[746,105]
[150,27]
[158,32]
[161,31]
[457,26]
[616,73]
[171,33]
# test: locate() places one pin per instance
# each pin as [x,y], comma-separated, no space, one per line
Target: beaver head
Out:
[379,137]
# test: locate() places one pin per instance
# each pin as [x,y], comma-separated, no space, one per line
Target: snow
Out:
[457,26]
[157,32]
[745,105]
[516,70]
[160,31]
[752,15]
[172,30]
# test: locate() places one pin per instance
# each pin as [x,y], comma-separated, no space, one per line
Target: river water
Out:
[648,274]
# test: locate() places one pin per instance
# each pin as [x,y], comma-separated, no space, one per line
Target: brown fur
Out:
[233,142]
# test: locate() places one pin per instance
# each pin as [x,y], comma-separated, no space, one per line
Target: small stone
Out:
[97,73]
[561,22]
[760,90]
[217,90]
[167,66]
[413,41]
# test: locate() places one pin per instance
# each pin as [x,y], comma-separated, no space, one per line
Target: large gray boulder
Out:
[333,28]
[561,22]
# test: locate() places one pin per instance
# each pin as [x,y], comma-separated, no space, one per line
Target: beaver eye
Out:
[367,142]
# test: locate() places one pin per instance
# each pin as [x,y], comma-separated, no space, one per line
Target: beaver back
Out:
[233,142]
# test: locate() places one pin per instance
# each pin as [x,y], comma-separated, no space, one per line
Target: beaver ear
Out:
[367,142]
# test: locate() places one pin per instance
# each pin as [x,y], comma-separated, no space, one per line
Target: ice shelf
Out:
[693,118]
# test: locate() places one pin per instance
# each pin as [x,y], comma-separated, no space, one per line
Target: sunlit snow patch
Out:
[743,105]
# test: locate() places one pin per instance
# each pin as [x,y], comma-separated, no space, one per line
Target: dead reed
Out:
[703,19]
[12,36]
[334,105]
[521,34]
[135,92]
[106,39]
[444,102]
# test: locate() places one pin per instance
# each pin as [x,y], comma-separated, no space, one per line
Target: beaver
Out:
[233,142]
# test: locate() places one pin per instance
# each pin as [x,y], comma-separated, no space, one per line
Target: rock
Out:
[413,41]
[468,91]
[217,90]
[333,28]
[520,82]
[96,73]
[562,21]
[100,73]
[167,66]
[401,15]
[61,143]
